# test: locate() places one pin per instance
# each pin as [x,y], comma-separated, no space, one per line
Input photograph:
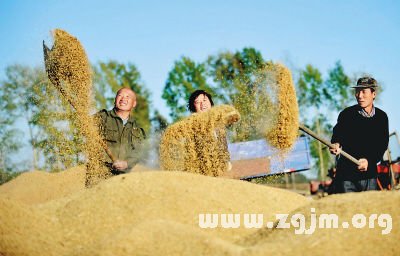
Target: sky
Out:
[363,35]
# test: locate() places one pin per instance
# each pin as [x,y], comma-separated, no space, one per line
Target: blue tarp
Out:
[298,159]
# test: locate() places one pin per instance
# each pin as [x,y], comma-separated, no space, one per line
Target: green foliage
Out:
[17,92]
[110,77]
[323,159]
[9,144]
[317,98]
[185,77]
[233,73]
[316,94]
[231,78]
[58,140]
[240,82]
[29,95]
[158,122]
[6,176]
[309,90]
[338,86]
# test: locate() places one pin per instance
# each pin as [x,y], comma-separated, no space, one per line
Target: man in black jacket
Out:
[362,131]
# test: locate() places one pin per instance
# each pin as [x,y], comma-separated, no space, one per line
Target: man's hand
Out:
[120,165]
[336,149]
[363,164]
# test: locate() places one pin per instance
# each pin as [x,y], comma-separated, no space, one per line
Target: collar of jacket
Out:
[131,119]
[364,113]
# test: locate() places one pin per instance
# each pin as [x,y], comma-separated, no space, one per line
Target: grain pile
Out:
[69,71]
[352,241]
[121,210]
[24,230]
[157,213]
[197,143]
[283,135]
[39,187]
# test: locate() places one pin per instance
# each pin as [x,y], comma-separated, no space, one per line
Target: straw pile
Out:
[157,213]
[197,143]
[283,135]
[69,71]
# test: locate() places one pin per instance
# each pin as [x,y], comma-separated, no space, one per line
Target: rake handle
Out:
[327,143]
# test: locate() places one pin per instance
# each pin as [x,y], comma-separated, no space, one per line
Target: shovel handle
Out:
[108,152]
[327,143]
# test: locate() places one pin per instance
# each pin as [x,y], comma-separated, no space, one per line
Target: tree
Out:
[28,94]
[309,91]
[317,98]
[234,72]
[9,143]
[240,81]
[110,77]
[16,91]
[185,77]
[311,96]
[158,122]
[338,87]
[58,141]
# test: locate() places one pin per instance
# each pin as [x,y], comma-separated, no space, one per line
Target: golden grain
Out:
[285,132]
[69,70]
[197,143]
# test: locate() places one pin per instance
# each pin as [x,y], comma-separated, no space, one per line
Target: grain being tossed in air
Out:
[197,143]
[285,132]
[69,71]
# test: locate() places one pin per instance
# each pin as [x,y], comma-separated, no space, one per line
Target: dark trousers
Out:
[346,186]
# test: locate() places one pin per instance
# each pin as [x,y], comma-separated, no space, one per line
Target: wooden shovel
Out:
[327,143]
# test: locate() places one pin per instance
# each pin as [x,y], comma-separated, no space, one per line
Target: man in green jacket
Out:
[124,138]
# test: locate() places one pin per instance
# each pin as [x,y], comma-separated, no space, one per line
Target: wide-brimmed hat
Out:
[366,82]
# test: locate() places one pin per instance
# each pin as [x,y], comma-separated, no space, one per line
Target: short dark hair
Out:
[193,97]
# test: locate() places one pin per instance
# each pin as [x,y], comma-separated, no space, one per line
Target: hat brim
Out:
[364,86]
